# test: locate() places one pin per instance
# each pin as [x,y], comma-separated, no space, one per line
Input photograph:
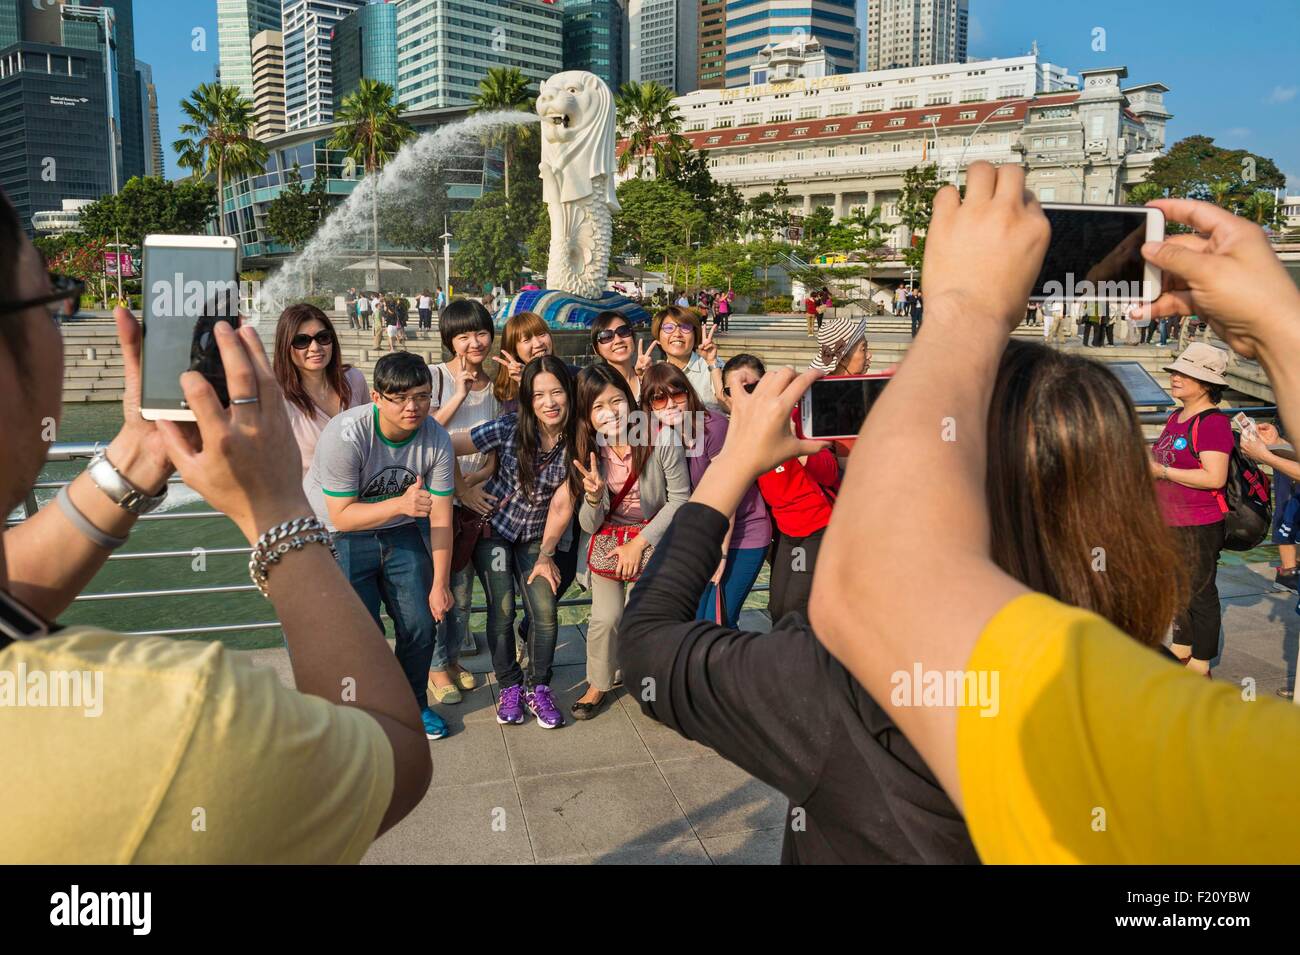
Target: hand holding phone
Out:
[834,408]
[1095,254]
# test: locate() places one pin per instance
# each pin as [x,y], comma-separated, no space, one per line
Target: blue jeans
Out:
[1164,331]
[504,566]
[743,565]
[394,565]
[566,562]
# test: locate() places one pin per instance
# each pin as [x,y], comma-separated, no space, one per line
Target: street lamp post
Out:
[956,173]
[446,256]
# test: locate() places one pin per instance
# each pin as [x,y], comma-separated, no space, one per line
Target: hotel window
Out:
[830,153]
[832,128]
[800,131]
[799,156]
[862,150]
[974,96]
[1004,111]
[713,140]
[811,112]
[780,118]
[898,121]
[872,106]
[863,124]
[695,127]
[1008,92]
[896,147]
[770,133]
[839,109]
[939,99]
[741,137]
[752,119]
[907,102]
[1047,194]
[930,118]
[889,210]
[1038,142]
[966,114]
[723,122]
[966,140]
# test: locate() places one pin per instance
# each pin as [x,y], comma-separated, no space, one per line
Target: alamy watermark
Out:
[922,687]
[63,689]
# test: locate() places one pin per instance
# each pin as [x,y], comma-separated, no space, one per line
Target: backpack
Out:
[1244,500]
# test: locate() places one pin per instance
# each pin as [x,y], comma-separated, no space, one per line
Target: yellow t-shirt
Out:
[193,756]
[1103,752]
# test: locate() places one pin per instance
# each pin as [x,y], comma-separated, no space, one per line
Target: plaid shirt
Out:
[517,518]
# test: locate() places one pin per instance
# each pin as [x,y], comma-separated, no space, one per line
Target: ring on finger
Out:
[245,401]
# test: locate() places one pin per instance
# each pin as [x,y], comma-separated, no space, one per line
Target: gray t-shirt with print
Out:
[354,459]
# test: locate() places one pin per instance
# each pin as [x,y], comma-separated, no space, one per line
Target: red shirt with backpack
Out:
[800,495]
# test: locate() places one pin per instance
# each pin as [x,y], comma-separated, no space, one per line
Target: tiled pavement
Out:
[623,789]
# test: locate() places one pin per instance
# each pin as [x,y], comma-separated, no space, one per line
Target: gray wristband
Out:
[88,530]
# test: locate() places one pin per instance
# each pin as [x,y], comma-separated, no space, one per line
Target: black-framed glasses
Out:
[302,341]
[607,335]
[749,388]
[63,288]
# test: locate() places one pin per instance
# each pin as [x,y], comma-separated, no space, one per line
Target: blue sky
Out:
[1233,69]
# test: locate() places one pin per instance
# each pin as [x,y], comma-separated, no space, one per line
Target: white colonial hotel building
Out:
[845,141]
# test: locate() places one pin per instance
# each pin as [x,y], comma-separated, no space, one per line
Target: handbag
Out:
[466,530]
[601,559]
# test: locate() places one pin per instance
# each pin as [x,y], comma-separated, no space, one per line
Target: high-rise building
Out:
[364,46]
[268,83]
[753,26]
[238,21]
[663,42]
[132,127]
[153,150]
[711,54]
[595,33]
[11,22]
[308,79]
[445,47]
[903,33]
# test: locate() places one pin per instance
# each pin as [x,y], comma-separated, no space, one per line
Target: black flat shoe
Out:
[586,711]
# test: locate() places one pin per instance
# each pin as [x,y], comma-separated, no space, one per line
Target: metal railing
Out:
[85,450]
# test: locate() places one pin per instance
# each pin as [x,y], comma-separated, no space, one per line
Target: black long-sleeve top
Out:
[783,709]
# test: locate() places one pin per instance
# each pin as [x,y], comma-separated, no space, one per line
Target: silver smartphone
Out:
[189,285]
[834,407]
[1095,254]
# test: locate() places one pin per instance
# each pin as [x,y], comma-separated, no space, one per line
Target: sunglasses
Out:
[749,388]
[302,341]
[607,335]
[660,400]
[65,289]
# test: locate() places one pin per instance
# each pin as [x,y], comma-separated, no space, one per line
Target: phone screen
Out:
[1094,253]
[186,292]
[840,405]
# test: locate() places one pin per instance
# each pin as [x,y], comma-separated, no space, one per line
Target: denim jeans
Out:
[504,567]
[393,565]
[566,562]
[1164,331]
[743,565]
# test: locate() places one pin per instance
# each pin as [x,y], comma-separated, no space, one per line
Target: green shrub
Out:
[324,302]
[778,303]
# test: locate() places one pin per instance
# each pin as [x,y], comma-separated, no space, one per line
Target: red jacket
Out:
[797,494]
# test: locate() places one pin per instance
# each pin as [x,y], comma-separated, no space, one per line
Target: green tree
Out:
[490,251]
[1144,192]
[915,206]
[650,123]
[82,257]
[658,220]
[289,216]
[505,88]
[728,213]
[370,130]
[1195,168]
[218,138]
[150,205]
[539,243]
[817,230]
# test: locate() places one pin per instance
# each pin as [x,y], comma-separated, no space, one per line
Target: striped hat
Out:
[837,337]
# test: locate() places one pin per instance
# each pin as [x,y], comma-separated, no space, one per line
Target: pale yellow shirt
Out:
[195,757]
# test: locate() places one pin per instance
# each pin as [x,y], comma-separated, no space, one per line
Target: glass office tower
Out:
[364,45]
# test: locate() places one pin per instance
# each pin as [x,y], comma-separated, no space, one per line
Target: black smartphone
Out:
[1095,254]
[835,407]
[189,286]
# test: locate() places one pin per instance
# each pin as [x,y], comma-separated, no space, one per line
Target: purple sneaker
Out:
[510,708]
[542,705]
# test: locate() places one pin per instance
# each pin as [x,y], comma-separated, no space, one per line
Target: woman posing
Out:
[667,396]
[612,339]
[462,399]
[689,346]
[516,553]
[316,383]
[631,486]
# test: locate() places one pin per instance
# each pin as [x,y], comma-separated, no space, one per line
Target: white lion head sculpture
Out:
[578,139]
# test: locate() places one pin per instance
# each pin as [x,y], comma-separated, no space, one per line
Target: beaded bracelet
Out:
[279,540]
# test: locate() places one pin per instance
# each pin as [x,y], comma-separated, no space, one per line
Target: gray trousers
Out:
[608,598]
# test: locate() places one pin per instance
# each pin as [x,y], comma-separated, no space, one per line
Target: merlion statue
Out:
[577,170]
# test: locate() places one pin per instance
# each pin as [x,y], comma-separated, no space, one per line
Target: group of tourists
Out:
[388,314]
[661,477]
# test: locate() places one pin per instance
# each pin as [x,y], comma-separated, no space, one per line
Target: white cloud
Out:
[1282,94]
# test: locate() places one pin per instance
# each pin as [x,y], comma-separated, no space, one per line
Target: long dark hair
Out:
[592,381]
[289,375]
[530,429]
[1071,501]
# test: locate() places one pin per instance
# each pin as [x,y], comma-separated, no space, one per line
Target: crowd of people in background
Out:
[661,477]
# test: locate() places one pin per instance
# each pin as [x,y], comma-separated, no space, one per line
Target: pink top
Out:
[1180,505]
[306,431]
[617,470]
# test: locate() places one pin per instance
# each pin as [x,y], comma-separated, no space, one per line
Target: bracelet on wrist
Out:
[81,523]
[279,540]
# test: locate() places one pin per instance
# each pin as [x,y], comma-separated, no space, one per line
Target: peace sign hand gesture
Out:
[708,347]
[643,359]
[465,378]
[514,367]
[591,480]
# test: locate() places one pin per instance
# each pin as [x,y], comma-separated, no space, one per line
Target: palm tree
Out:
[370,131]
[505,88]
[219,139]
[650,123]
[1220,194]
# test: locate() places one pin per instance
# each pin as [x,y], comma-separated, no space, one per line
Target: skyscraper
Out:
[663,42]
[238,21]
[153,151]
[595,33]
[711,58]
[268,83]
[902,33]
[751,26]
[444,47]
[364,46]
[308,79]
[132,126]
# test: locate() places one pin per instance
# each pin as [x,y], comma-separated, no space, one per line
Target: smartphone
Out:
[835,407]
[189,285]
[1095,254]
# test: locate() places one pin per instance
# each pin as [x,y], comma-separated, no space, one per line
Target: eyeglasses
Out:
[64,288]
[670,327]
[302,341]
[607,335]
[659,401]
[401,401]
[749,388]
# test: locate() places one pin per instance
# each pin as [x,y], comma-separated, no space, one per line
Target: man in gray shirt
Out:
[382,474]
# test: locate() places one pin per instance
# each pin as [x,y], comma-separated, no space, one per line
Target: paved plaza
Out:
[623,789]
